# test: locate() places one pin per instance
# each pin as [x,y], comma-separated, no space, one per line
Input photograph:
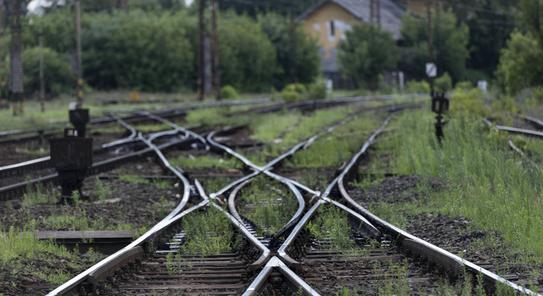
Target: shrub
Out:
[468,101]
[464,85]
[229,92]
[293,92]
[317,90]
[58,77]
[443,83]
[418,87]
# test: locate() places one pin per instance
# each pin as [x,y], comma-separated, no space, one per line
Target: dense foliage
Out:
[366,53]
[521,64]
[297,54]
[156,50]
[450,46]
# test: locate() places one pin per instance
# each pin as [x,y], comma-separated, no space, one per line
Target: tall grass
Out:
[486,182]
[268,128]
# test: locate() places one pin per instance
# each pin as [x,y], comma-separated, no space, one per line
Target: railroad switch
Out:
[79,118]
[440,106]
[71,156]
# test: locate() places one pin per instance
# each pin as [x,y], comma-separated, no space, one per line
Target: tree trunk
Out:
[42,76]
[16,61]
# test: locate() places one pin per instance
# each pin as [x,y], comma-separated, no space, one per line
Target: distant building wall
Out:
[328,25]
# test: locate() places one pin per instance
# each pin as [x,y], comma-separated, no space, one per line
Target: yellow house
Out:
[329,20]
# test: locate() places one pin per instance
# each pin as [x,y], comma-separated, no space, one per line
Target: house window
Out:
[332,29]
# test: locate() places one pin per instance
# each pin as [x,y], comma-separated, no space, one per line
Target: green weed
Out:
[208,233]
[268,128]
[338,146]
[332,223]
[133,179]
[39,194]
[103,191]
[268,206]
[206,161]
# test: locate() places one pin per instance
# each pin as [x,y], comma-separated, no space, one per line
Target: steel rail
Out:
[43,162]
[173,216]
[273,263]
[432,252]
[323,199]
[538,123]
[514,130]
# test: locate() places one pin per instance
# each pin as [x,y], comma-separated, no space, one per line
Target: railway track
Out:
[292,261]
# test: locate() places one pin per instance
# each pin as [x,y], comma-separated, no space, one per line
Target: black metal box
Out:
[71,153]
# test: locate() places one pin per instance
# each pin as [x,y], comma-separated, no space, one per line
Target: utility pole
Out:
[201,50]
[42,74]
[216,50]
[78,67]
[430,40]
[375,12]
[16,63]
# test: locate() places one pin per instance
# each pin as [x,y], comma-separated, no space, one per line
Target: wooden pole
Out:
[216,50]
[42,75]
[78,67]
[201,50]
[16,62]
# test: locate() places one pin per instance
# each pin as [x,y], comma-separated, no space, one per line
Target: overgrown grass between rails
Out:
[268,204]
[338,146]
[332,223]
[208,233]
[487,183]
[214,116]
[268,128]
[206,162]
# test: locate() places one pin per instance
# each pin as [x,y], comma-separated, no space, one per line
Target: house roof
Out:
[391,13]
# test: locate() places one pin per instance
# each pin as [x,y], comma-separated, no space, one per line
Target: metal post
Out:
[375,12]
[201,50]
[78,67]
[216,50]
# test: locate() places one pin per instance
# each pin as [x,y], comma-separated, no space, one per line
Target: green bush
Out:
[229,92]
[464,85]
[443,83]
[57,75]
[294,92]
[418,87]
[317,90]
[468,101]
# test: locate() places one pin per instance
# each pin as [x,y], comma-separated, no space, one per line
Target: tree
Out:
[450,43]
[490,23]
[297,53]
[521,63]
[247,56]
[254,7]
[366,54]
